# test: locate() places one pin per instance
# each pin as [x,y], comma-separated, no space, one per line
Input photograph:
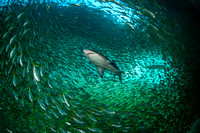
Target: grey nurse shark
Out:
[102,63]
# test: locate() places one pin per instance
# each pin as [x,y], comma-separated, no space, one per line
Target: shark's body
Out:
[102,63]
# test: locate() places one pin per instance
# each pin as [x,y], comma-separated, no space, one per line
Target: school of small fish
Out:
[48,85]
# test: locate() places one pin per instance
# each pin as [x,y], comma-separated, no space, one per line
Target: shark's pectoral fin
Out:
[101,71]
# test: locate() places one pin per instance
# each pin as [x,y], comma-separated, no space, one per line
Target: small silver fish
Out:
[12,39]
[35,73]
[20,15]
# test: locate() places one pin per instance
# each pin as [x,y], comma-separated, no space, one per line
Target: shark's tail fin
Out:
[119,74]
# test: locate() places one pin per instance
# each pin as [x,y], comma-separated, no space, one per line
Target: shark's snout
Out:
[84,51]
[87,52]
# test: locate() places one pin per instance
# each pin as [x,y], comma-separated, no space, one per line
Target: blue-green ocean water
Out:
[48,84]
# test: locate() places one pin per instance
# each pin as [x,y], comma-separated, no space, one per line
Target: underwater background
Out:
[48,85]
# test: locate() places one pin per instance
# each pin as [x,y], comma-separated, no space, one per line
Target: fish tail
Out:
[120,76]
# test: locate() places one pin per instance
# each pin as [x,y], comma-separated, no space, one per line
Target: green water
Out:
[48,85]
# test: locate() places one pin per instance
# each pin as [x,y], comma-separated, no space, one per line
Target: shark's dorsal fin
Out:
[101,71]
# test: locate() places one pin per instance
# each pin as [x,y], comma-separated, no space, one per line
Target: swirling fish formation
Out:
[48,85]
